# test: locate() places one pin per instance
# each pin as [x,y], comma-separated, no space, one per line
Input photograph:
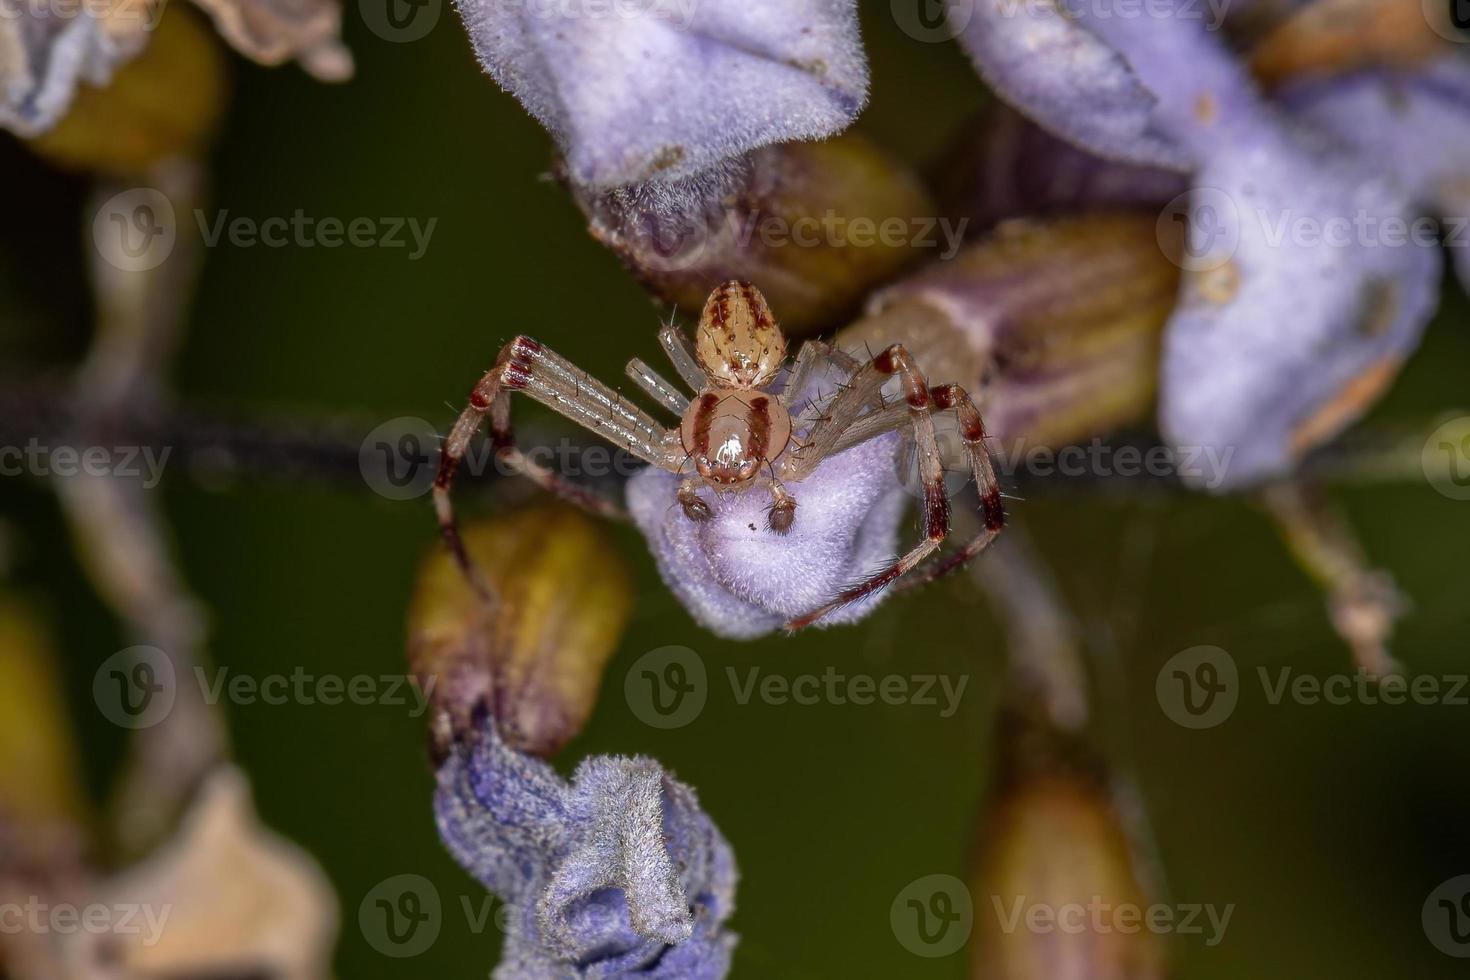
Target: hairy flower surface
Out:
[673,87]
[1303,292]
[740,579]
[618,873]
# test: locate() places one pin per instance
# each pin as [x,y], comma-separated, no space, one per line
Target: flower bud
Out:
[41,800]
[534,656]
[1053,326]
[164,103]
[818,225]
[1055,842]
[1334,36]
[1005,166]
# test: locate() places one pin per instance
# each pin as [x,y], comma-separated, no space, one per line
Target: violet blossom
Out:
[615,874]
[1281,338]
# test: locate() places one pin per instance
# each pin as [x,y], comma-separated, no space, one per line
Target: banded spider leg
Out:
[527,366]
[845,425]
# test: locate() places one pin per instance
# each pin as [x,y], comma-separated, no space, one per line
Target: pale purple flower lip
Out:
[740,579]
[663,89]
[618,873]
[1304,289]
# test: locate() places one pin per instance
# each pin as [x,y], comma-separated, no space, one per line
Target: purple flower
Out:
[742,580]
[1305,285]
[618,873]
[646,90]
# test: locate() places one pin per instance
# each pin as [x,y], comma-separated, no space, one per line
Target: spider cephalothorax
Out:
[737,434]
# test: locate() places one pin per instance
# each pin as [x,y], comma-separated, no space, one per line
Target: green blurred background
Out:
[1325,826]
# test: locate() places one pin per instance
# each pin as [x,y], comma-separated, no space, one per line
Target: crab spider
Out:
[735,435]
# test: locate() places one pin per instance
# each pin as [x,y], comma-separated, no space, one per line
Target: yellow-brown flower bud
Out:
[1054,326]
[1057,892]
[818,225]
[534,657]
[164,103]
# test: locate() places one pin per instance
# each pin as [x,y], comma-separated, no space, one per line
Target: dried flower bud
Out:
[535,657]
[273,32]
[225,897]
[163,103]
[1054,325]
[818,225]
[1053,839]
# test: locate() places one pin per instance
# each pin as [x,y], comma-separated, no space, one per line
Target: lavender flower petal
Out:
[740,579]
[45,56]
[1413,125]
[1292,320]
[1065,78]
[615,874]
[1300,306]
[675,87]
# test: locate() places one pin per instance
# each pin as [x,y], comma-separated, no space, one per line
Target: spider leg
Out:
[801,372]
[866,384]
[681,354]
[992,510]
[657,388]
[525,365]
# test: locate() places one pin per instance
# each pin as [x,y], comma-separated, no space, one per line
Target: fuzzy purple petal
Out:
[740,579]
[670,88]
[1291,318]
[1065,78]
[1414,125]
[618,873]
